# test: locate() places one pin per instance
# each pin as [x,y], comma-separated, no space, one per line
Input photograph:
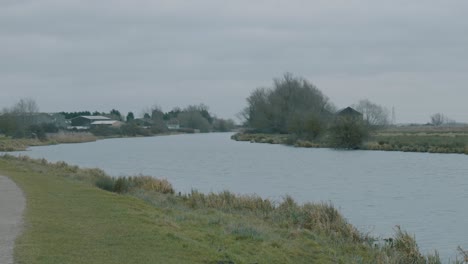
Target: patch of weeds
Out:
[242,231]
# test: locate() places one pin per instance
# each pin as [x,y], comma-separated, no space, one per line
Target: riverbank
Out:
[8,144]
[157,225]
[416,139]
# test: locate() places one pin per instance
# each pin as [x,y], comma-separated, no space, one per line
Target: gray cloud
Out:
[73,55]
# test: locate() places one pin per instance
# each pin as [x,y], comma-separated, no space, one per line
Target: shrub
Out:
[121,185]
[348,133]
[106,183]
[151,184]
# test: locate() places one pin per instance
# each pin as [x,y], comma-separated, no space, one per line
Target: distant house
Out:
[85,121]
[349,112]
[106,123]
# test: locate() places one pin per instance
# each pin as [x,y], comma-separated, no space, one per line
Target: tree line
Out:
[296,107]
[24,120]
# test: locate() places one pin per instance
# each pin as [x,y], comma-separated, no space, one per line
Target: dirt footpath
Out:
[12,204]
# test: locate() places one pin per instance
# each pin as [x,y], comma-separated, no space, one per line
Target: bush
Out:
[348,133]
[105,183]
[121,185]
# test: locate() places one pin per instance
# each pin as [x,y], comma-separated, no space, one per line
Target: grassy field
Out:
[420,139]
[143,220]
[407,139]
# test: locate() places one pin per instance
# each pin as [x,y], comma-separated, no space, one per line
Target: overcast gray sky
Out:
[131,54]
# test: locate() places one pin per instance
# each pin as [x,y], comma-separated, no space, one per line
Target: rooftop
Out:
[95,117]
[104,122]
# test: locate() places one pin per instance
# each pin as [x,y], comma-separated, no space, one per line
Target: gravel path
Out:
[12,203]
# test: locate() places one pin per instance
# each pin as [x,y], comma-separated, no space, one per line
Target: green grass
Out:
[444,140]
[433,142]
[70,220]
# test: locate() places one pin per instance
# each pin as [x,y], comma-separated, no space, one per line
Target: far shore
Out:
[408,139]
[8,144]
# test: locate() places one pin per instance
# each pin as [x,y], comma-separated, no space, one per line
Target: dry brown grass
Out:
[20,144]
[320,217]
[71,137]
[228,201]
[142,183]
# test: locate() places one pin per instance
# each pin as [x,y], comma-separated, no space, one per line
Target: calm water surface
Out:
[426,194]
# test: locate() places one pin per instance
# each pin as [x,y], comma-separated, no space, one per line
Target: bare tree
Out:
[438,119]
[19,117]
[25,106]
[373,114]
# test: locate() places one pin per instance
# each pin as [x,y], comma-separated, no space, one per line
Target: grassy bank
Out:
[412,139]
[143,220]
[420,139]
[20,144]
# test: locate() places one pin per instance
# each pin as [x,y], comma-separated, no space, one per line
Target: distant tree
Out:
[202,109]
[258,114]
[223,125]
[16,121]
[130,117]
[157,117]
[438,119]
[374,115]
[25,106]
[70,115]
[348,132]
[115,114]
[194,120]
[8,124]
[146,116]
[172,114]
[130,129]
[38,131]
[292,105]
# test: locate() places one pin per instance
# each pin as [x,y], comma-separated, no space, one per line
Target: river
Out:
[425,194]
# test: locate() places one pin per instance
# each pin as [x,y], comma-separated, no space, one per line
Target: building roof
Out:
[348,111]
[94,117]
[104,122]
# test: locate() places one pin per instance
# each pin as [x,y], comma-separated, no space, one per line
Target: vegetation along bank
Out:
[23,125]
[295,112]
[78,215]
[407,139]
